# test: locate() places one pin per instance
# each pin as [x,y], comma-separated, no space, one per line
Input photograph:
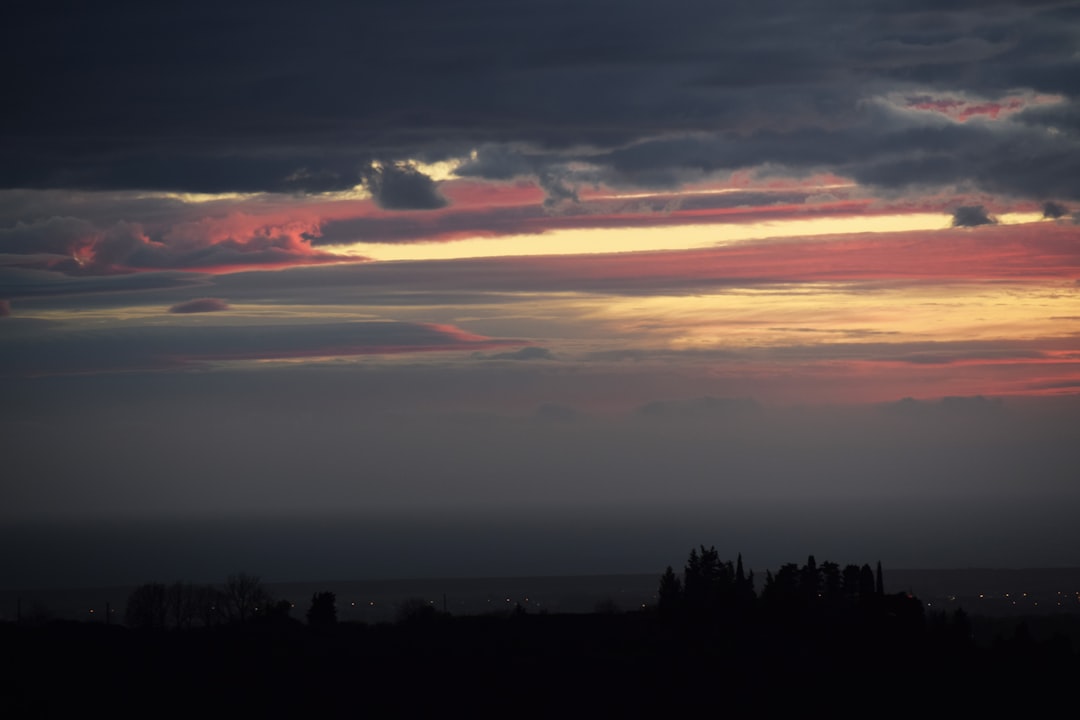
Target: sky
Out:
[404,289]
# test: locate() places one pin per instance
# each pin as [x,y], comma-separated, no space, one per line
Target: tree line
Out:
[243,598]
[709,585]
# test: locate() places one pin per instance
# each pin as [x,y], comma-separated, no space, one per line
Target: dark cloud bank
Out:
[632,93]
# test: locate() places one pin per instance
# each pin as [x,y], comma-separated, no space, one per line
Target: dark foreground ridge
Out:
[816,639]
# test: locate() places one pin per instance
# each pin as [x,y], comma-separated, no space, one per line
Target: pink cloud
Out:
[962,109]
[277,232]
[208,245]
[991,253]
[474,194]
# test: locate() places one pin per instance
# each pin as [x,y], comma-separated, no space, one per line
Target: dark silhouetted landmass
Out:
[817,638]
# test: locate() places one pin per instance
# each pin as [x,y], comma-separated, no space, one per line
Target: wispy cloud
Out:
[199,305]
[138,347]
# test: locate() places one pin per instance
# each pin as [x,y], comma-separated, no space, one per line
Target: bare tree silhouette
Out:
[147,607]
[244,596]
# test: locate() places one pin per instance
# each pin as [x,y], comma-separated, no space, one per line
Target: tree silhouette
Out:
[182,602]
[850,582]
[323,611]
[670,592]
[744,584]
[243,597]
[416,611]
[708,583]
[783,587]
[831,582]
[147,607]
[209,605]
[866,583]
[154,606]
[810,580]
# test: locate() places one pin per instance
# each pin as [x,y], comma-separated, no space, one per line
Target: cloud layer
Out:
[549,265]
[891,94]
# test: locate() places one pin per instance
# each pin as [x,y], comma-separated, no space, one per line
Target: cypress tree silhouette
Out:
[867,583]
[697,576]
[744,585]
[850,582]
[810,580]
[670,592]
[831,583]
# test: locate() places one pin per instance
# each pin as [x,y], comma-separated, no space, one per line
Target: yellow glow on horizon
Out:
[826,313]
[588,241]
[193,198]
[715,191]
[1019,218]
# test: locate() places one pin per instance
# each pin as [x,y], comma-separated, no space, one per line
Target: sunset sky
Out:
[409,288]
